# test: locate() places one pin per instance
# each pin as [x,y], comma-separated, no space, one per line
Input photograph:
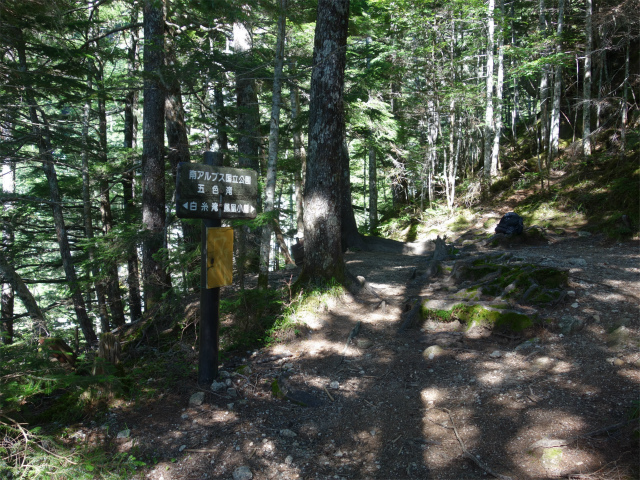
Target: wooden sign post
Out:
[212,192]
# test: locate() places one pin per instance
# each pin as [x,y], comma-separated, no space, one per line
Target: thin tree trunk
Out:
[155,278]
[111,267]
[488,116]
[625,104]
[299,153]
[31,306]
[128,186]
[586,89]
[272,165]
[373,191]
[495,155]
[221,123]
[7,288]
[248,122]
[88,219]
[554,132]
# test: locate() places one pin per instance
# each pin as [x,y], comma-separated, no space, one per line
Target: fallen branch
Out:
[469,455]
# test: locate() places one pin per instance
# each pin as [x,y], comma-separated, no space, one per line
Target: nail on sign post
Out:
[212,192]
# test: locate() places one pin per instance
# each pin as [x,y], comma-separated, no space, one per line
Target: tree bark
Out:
[495,154]
[554,131]
[248,121]
[272,165]
[155,278]
[31,306]
[7,287]
[299,154]
[128,186]
[88,218]
[586,89]
[111,268]
[322,202]
[489,168]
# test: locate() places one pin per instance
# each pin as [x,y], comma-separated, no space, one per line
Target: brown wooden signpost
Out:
[212,192]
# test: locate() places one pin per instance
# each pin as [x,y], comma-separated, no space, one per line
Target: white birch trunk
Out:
[495,154]
[554,131]
[488,116]
[272,164]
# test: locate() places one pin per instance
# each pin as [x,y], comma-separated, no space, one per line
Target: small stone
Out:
[569,324]
[228,382]
[577,261]
[584,234]
[288,460]
[230,406]
[285,432]
[618,362]
[334,385]
[575,305]
[596,318]
[126,433]
[218,386]
[242,473]
[232,392]
[196,399]
[571,293]
[184,416]
[618,338]
[364,343]
[223,374]
[432,352]
[496,354]
[182,447]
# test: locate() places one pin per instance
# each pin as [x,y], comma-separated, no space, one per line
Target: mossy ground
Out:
[476,315]
[527,283]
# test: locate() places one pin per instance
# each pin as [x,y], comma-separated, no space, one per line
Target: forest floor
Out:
[380,409]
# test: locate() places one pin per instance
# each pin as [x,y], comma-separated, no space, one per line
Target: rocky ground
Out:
[436,401]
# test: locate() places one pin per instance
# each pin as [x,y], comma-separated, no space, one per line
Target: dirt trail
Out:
[384,411]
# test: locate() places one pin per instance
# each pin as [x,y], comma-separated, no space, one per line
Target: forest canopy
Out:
[100,101]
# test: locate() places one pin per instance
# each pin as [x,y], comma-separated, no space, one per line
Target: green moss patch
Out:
[525,283]
[475,314]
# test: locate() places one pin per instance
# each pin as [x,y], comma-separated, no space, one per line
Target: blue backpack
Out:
[510,224]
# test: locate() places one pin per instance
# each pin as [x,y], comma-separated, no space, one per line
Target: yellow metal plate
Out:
[219,257]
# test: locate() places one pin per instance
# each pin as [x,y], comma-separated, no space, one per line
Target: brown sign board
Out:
[204,191]
[219,257]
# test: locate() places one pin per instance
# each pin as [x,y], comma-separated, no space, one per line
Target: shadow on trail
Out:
[392,411]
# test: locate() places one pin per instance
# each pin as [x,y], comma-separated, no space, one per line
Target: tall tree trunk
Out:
[586,88]
[128,187]
[42,136]
[495,154]
[624,102]
[322,202]
[488,116]
[299,153]
[373,191]
[272,165]
[88,217]
[351,238]
[155,278]
[248,122]
[554,131]
[7,288]
[221,123]
[111,268]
